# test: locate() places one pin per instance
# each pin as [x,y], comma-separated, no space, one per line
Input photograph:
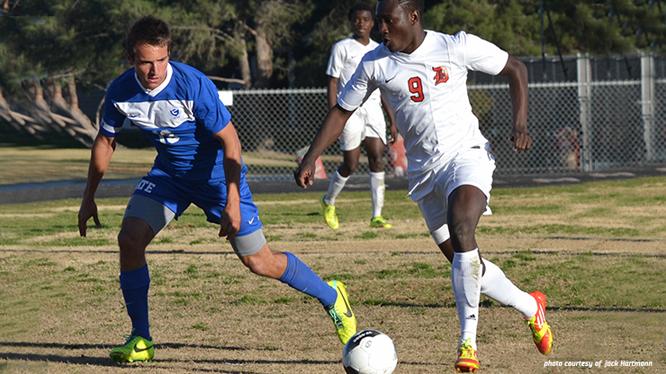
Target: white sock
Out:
[335,186]
[466,278]
[377,188]
[497,286]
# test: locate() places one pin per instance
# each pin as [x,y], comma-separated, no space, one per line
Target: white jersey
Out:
[427,90]
[345,56]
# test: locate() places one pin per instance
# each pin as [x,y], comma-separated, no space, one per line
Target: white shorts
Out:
[366,122]
[474,167]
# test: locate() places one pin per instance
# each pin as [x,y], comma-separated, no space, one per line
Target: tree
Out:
[58,44]
[328,23]
[207,34]
[600,27]
[271,23]
[605,27]
[51,48]
[214,34]
[512,24]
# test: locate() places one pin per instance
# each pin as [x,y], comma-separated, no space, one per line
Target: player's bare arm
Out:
[328,133]
[100,157]
[231,219]
[331,92]
[516,71]
[393,130]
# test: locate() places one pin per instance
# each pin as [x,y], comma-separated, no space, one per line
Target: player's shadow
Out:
[109,346]
[225,252]
[75,360]
[79,359]
[106,362]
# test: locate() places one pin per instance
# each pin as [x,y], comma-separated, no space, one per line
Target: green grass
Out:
[173,285]
[562,229]
[23,164]
[610,209]
[601,211]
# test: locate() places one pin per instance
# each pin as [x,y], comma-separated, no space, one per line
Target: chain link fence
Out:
[274,125]
[592,121]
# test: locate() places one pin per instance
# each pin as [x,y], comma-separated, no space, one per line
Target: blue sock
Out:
[134,284]
[299,276]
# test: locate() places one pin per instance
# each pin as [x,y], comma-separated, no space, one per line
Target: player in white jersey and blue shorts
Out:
[365,127]
[198,162]
[422,75]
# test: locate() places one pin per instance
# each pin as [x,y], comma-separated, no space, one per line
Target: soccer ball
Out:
[369,352]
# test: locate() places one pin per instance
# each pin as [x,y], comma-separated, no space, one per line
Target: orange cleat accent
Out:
[541,332]
[467,361]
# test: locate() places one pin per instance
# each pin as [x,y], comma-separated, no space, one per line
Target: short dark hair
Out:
[149,30]
[412,5]
[359,7]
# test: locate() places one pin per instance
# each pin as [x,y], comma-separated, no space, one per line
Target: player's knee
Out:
[128,242]
[258,265]
[376,165]
[352,166]
[462,233]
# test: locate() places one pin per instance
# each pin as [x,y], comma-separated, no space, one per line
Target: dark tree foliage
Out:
[263,43]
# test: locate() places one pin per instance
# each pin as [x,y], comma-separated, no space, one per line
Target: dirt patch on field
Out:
[488,244]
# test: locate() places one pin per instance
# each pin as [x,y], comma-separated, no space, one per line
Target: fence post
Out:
[584,100]
[647,104]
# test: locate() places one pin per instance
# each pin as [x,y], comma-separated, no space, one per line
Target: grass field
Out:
[43,164]
[596,249]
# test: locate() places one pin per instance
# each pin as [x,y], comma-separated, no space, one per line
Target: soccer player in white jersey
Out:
[366,126]
[422,75]
[198,162]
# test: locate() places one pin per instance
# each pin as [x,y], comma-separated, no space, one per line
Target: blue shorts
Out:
[176,194]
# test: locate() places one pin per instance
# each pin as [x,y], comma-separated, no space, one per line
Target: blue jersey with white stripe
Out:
[180,117]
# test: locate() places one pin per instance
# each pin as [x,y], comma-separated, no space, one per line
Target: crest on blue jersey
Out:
[174,112]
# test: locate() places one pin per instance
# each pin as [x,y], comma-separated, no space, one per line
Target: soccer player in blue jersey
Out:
[198,162]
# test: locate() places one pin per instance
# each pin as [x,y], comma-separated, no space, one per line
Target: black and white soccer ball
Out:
[369,352]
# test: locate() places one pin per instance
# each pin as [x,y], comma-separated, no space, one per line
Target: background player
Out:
[198,162]
[422,75]
[366,126]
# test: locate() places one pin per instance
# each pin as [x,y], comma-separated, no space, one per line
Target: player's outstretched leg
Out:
[333,296]
[496,285]
[532,306]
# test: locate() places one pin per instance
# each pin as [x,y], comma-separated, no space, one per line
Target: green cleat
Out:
[328,211]
[341,313]
[380,222]
[136,348]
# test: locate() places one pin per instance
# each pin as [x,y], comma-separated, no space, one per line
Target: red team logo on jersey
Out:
[416,86]
[441,75]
